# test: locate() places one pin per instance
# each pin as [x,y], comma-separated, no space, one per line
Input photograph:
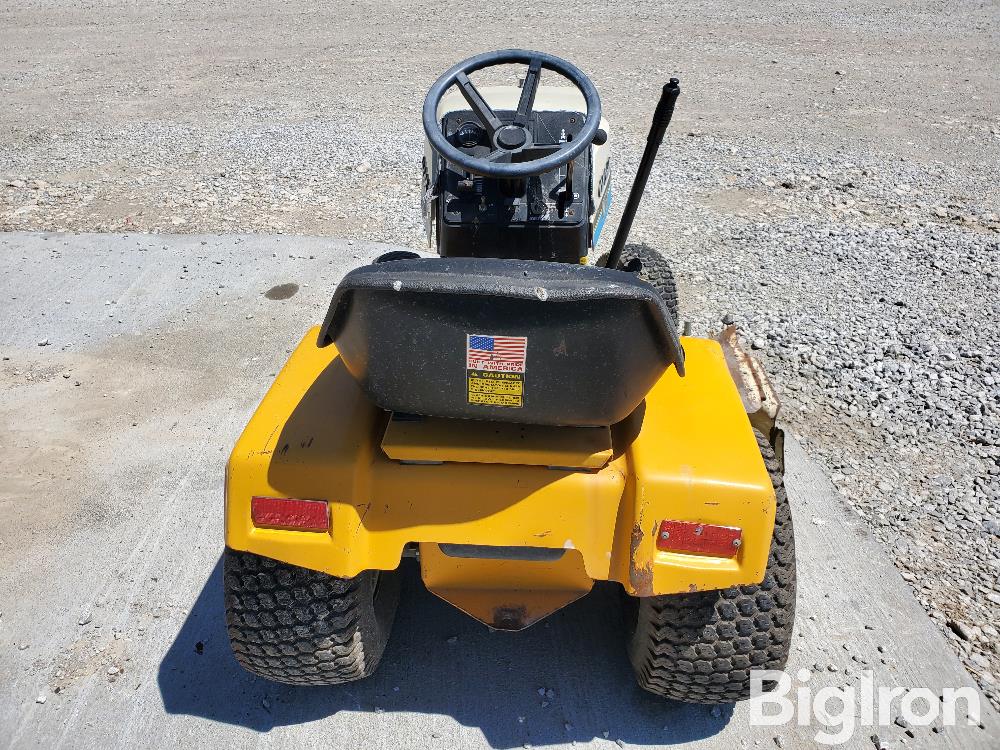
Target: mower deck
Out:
[546,514]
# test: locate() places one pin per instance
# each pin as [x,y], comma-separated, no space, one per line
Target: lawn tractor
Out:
[521,416]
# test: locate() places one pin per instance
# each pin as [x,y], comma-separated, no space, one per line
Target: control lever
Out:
[566,194]
[661,118]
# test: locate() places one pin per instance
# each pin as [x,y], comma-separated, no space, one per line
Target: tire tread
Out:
[303,627]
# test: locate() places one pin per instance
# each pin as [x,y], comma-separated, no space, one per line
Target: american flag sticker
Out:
[495,367]
[496,353]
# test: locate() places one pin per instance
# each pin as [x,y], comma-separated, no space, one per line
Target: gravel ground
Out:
[830,182]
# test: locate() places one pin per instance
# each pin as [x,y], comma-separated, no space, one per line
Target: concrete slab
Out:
[114,434]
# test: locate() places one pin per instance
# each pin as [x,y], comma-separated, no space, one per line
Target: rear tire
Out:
[653,268]
[303,627]
[700,647]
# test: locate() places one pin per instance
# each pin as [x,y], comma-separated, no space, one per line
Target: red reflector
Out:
[290,513]
[700,538]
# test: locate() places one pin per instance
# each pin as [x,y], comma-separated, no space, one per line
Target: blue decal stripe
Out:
[600,221]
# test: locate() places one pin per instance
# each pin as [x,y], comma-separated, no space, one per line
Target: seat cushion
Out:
[506,340]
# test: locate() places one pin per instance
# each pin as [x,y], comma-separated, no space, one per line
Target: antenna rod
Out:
[661,118]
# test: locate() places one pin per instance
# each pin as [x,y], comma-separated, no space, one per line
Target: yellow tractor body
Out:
[510,522]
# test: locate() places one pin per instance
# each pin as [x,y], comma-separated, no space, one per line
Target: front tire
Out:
[303,627]
[392,255]
[701,647]
[650,266]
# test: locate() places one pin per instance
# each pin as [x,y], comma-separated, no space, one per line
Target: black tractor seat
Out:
[508,340]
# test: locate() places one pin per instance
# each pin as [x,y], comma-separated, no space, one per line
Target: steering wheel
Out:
[507,141]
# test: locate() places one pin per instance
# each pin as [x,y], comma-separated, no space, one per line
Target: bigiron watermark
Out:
[838,712]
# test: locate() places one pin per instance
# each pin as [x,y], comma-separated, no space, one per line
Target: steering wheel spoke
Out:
[528,91]
[500,156]
[483,110]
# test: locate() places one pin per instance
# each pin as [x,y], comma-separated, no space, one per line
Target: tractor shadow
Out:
[440,661]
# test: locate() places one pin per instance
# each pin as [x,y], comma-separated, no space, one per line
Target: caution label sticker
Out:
[496,388]
[496,368]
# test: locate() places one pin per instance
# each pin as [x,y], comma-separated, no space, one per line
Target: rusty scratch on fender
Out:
[640,577]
